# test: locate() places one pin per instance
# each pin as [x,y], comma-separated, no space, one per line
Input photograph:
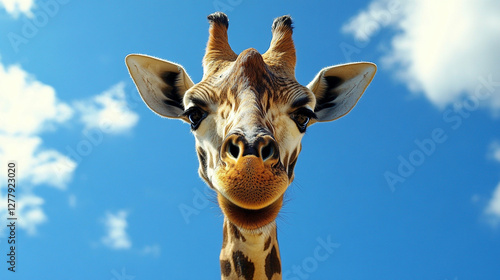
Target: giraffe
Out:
[248,115]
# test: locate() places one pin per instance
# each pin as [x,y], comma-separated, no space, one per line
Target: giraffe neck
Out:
[250,255]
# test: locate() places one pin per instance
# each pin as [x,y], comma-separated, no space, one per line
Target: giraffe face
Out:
[248,127]
[248,114]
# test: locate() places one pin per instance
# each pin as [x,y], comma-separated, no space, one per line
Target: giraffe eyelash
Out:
[305,112]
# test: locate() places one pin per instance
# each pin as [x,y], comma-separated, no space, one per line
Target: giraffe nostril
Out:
[267,151]
[233,150]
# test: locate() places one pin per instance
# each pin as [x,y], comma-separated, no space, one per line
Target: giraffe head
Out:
[248,114]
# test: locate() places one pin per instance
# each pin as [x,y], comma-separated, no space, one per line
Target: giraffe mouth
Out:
[250,184]
[250,219]
[250,192]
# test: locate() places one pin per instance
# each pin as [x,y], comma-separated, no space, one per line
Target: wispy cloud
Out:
[439,48]
[492,210]
[72,202]
[116,235]
[151,250]
[494,151]
[28,211]
[31,213]
[108,111]
[16,7]
[368,22]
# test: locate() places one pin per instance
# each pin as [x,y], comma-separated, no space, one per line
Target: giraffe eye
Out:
[302,117]
[302,120]
[195,116]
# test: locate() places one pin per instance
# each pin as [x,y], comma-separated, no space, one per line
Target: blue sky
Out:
[407,186]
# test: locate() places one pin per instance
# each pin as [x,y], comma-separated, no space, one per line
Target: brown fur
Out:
[218,50]
[281,53]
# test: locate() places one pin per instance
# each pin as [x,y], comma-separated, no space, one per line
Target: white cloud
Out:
[15,7]
[153,250]
[116,234]
[493,208]
[28,211]
[27,105]
[445,49]
[72,202]
[36,165]
[108,111]
[368,22]
[494,151]
[27,108]
[31,213]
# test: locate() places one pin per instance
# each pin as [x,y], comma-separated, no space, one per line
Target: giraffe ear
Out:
[161,83]
[338,88]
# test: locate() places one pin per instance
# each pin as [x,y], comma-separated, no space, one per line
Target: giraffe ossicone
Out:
[248,115]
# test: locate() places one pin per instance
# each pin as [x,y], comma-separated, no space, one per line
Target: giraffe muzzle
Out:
[251,176]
